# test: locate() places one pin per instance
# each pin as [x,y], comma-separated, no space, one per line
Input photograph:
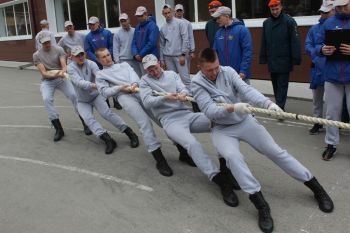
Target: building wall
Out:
[22,50]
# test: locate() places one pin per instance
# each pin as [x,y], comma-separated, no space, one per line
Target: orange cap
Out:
[274,3]
[214,4]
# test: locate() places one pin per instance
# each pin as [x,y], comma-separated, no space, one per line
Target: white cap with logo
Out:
[140,11]
[93,20]
[123,16]
[44,37]
[149,60]
[68,23]
[76,50]
[179,7]
[222,10]
[340,2]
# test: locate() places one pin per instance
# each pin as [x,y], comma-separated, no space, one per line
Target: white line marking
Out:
[22,107]
[83,171]
[65,128]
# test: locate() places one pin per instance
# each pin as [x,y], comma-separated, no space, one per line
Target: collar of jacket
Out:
[342,16]
[97,31]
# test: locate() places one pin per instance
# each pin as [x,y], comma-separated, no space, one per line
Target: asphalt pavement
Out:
[71,186]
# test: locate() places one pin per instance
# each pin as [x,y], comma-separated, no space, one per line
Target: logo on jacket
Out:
[231,37]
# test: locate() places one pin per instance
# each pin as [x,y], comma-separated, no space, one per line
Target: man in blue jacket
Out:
[317,65]
[336,73]
[280,49]
[98,37]
[233,43]
[145,39]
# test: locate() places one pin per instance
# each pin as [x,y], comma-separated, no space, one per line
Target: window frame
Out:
[29,30]
[51,17]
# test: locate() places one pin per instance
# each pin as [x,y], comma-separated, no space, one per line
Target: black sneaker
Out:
[315,129]
[329,153]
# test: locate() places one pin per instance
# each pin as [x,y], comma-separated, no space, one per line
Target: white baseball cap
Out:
[140,11]
[222,10]
[340,2]
[44,37]
[44,22]
[93,20]
[76,50]
[326,6]
[68,23]
[149,60]
[123,16]
[179,7]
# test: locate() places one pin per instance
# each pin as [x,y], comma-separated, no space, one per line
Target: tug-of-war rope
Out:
[270,113]
[280,115]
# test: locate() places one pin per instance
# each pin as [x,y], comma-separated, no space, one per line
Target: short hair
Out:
[207,55]
[99,50]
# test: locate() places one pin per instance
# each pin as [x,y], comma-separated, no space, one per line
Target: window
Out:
[202,14]
[253,11]
[16,20]
[258,9]
[79,11]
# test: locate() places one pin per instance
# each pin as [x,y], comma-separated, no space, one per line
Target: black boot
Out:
[134,140]
[184,156]
[265,219]
[227,192]
[195,107]
[162,164]
[116,104]
[110,143]
[87,131]
[224,169]
[59,130]
[325,203]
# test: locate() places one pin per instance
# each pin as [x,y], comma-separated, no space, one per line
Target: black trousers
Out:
[280,82]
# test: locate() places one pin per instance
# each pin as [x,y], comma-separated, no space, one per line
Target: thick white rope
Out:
[281,115]
[55,72]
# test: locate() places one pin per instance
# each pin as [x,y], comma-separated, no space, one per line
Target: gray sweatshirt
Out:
[68,42]
[83,77]
[227,88]
[122,41]
[173,40]
[191,44]
[169,82]
[115,75]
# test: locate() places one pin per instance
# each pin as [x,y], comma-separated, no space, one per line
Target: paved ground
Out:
[72,186]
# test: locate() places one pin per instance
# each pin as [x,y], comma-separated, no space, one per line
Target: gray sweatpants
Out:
[172,63]
[48,88]
[334,96]
[179,127]
[86,112]
[226,139]
[137,66]
[317,101]
[133,106]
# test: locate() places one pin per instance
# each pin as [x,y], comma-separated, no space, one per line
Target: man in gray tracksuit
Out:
[51,57]
[122,41]
[173,43]
[44,25]
[121,82]
[178,122]
[179,13]
[82,73]
[72,39]
[232,123]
